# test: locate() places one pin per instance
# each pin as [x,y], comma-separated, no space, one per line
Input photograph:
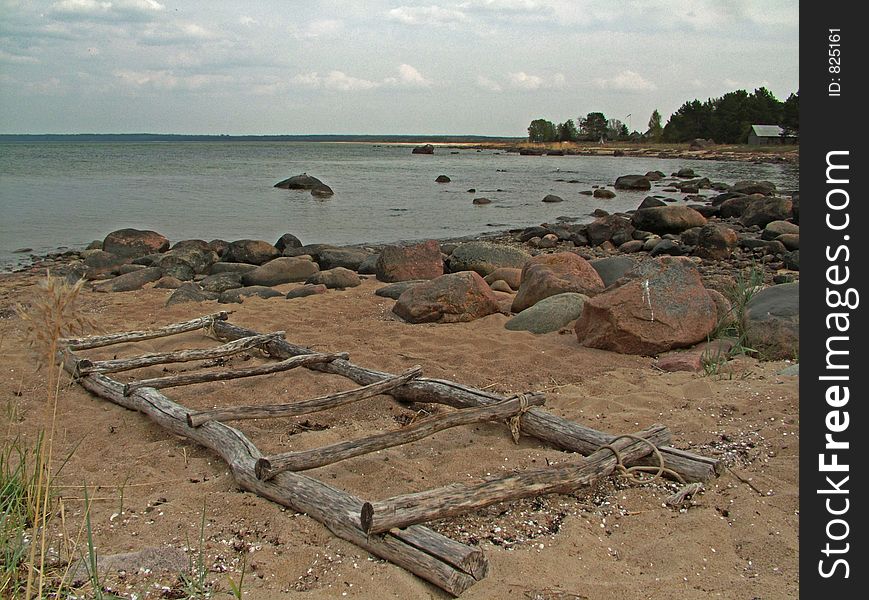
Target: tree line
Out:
[725,120]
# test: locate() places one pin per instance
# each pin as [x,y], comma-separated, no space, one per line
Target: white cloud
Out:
[247,21]
[114,10]
[410,77]
[307,80]
[488,84]
[426,15]
[167,80]
[525,81]
[338,80]
[6,57]
[627,81]
[321,28]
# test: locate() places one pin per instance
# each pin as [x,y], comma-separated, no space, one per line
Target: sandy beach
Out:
[738,539]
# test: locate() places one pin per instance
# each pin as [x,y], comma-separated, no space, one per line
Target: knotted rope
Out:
[514,421]
[630,472]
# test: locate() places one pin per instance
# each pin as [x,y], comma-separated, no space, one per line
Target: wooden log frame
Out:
[294,409]
[86,366]
[446,563]
[269,466]
[98,341]
[456,499]
[538,423]
[267,369]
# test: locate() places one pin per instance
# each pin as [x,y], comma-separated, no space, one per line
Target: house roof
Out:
[767,130]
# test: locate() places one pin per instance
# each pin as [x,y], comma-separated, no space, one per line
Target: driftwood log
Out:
[268,466]
[148,360]
[448,564]
[98,341]
[195,419]
[538,423]
[457,499]
[267,369]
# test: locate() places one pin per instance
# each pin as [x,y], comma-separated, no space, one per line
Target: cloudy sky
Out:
[378,66]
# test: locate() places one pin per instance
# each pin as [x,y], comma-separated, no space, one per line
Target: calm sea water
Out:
[66,194]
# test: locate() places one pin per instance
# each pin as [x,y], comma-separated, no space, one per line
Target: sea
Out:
[56,196]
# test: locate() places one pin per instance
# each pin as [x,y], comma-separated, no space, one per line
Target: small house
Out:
[765,135]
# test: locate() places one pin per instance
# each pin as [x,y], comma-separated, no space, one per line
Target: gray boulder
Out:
[130,281]
[348,258]
[220,282]
[338,278]
[306,290]
[189,292]
[299,182]
[280,270]
[255,252]
[766,210]
[772,321]
[613,268]
[550,314]
[131,243]
[395,290]
[667,219]
[237,295]
[633,182]
[485,257]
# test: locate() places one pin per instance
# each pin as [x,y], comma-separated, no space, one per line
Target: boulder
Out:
[651,202]
[604,193]
[667,219]
[654,175]
[100,261]
[129,282]
[723,310]
[552,198]
[424,149]
[369,265]
[697,358]
[766,210]
[442,179]
[322,191]
[288,240]
[284,269]
[481,201]
[631,246]
[306,290]
[613,268]
[168,283]
[175,266]
[501,286]
[485,257]
[633,182]
[510,275]
[774,229]
[237,295]
[219,246]
[452,298]
[550,274]
[189,292]
[224,267]
[685,172]
[130,243]
[606,228]
[299,182]
[766,188]
[716,242]
[348,258]
[395,290]
[666,247]
[791,241]
[772,321]
[416,261]
[660,305]
[550,240]
[735,206]
[792,260]
[338,278]
[313,251]
[550,314]
[220,282]
[255,252]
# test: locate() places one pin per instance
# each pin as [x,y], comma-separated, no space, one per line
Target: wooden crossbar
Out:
[294,409]
[86,366]
[269,466]
[191,378]
[98,341]
[457,499]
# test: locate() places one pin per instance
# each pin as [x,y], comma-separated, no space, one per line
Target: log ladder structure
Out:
[390,529]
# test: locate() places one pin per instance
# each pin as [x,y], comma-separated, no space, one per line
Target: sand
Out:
[616,540]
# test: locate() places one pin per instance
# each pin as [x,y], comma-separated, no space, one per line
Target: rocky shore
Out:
[669,275]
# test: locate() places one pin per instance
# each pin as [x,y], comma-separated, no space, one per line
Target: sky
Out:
[482,67]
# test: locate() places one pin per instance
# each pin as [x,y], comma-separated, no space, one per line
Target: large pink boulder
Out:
[661,305]
[406,263]
[453,298]
[550,274]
